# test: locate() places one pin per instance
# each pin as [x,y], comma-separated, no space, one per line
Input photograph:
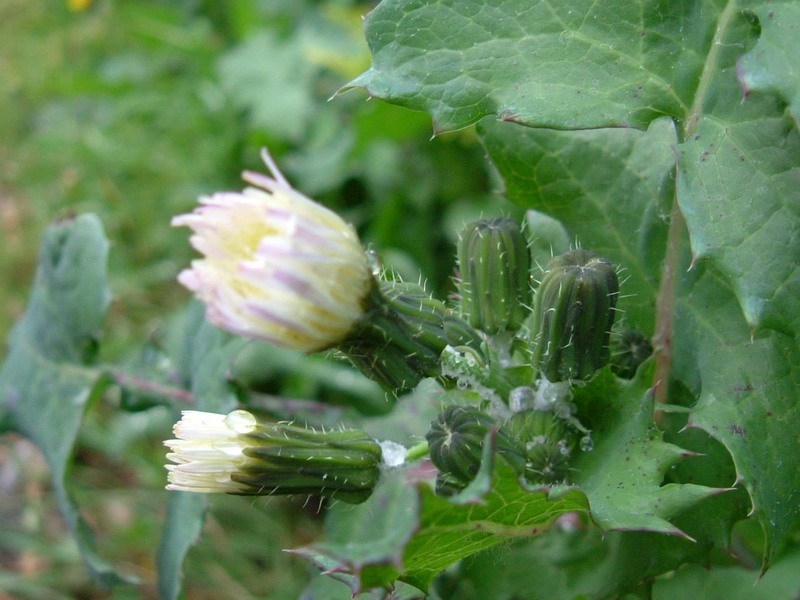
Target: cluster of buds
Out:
[537,445]
[277,266]
[545,441]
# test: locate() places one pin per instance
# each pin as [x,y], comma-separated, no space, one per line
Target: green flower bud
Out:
[494,261]
[536,426]
[402,334]
[241,454]
[545,441]
[455,441]
[546,464]
[573,312]
[628,350]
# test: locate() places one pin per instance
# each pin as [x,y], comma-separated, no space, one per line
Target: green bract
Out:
[572,315]
[456,442]
[401,335]
[494,263]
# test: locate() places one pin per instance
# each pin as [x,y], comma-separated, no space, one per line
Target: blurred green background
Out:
[131,109]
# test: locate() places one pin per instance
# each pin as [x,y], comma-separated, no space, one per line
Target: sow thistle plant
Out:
[655,138]
[278,266]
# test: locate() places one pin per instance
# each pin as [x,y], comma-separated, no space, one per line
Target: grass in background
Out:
[131,110]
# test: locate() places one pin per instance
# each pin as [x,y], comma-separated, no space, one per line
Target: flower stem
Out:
[417,452]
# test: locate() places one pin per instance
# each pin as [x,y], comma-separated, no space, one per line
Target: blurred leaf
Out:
[184,522]
[269,78]
[145,379]
[329,588]
[733,583]
[367,541]
[771,66]
[611,188]
[411,417]
[46,381]
[203,355]
[547,238]
[263,367]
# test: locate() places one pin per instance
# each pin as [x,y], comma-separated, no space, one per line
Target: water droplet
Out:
[587,444]
[563,410]
[521,398]
[462,383]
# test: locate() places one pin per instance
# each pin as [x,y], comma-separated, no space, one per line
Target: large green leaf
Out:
[623,475]
[772,65]
[203,356]
[406,532]
[739,190]
[612,188]
[47,381]
[566,65]
[587,64]
[748,396]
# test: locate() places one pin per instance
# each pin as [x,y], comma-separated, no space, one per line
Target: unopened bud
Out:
[574,310]
[628,350]
[544,440]
[241,454]
[494,262]
[455,443]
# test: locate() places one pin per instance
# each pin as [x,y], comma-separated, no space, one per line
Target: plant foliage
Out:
[663,135]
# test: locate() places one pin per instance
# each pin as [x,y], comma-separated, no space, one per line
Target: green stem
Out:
[662,339]
[665,303]
[417,452]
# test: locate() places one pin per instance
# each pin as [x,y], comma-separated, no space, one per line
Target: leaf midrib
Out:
[709,70]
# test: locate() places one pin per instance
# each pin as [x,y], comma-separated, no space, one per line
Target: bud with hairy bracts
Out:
[574,309]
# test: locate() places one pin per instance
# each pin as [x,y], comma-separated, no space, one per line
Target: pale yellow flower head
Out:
[277,266]
[208,450]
